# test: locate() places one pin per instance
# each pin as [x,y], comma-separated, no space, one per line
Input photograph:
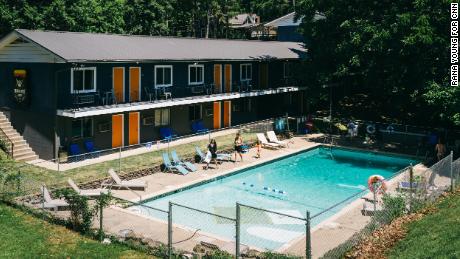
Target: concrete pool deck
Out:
[325,236]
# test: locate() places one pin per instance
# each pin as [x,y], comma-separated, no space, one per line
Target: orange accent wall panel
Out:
[227,113]
[134,84]
[228,78]
[216,113]
[217,78]
[118,83]
[133,128]
[117,130]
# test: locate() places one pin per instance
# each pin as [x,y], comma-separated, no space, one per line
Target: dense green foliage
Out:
[396,52]
[196,18]
[41,239]
[435,235]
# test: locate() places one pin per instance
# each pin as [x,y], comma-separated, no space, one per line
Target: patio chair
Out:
[50,203]
[92,151]
[171,168]
[74,149]
[198,127]
[368,207]
[167,133]
[220,157]
[178,161]
[86,193]
[405,186]
[132,184]
[274,139]
[265,143]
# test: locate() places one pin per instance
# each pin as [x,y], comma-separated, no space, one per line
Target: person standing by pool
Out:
[440,149]
[212,148]
[238,146]
[258,148]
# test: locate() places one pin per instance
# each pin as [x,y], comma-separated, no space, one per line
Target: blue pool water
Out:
[313,180]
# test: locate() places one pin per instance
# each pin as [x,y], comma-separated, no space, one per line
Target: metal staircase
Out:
[14,144]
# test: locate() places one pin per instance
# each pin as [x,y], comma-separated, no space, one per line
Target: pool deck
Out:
[325,236]
[117,219]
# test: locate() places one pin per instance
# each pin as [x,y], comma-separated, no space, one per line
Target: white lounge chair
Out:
[132,184]
[86,193]
[265,143]
[274,139]
[368,207]
[50,203]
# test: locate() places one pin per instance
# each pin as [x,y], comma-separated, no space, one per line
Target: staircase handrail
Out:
[9,143]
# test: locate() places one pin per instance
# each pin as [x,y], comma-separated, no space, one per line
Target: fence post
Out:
[119,160]
[170,237]
[452,171]
[374,191]
[308,236]
[59,164]
[101,230]
[237,230]
[411,187]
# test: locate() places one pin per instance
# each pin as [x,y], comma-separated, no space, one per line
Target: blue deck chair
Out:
[74,152]
[167,133]
[198,127]
[178,161]
[170,167]
[89,146]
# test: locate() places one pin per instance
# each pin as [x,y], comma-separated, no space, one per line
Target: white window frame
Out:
[72,90]
[241,71]
[163,66]
[202,74]
[162,111]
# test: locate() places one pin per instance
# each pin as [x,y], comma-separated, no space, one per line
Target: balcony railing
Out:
[153,94]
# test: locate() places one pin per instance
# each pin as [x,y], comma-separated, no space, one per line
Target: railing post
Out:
[374,191]
[308,236]
[59,163]
[237,230]
[101,217]
[411,186]
[170,230]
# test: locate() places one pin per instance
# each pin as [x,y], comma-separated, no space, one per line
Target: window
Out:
[195,74]
[83,80]
[161,117]
[82,128]
[163,75]
[147,121]
[242,105]
[245,72]
[195,112]
[287,70]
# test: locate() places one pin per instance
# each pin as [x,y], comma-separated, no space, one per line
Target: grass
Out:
[436,235]
[38,175]
[24,236]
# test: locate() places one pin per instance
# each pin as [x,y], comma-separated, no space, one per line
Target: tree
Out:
[397,50]
[148,17]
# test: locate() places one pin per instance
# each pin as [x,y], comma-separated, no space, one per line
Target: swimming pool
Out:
[313,180]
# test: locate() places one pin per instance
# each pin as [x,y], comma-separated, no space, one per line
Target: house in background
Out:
[62,89]
[244,21]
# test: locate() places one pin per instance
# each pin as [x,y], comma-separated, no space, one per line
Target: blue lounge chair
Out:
[177,161]
[220,157]
[406,186]
[167,133]
[170,167]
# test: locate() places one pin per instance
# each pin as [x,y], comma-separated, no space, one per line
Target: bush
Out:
[393,207]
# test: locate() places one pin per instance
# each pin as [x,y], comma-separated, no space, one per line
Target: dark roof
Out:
[81,47]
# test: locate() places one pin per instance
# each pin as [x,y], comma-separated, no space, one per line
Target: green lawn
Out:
[436,235]
[24,236]
[38,175]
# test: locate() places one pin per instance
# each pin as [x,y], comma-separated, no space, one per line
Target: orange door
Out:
[217,78]
[227,113]
[117,130]
[133,128]
[134,84]
[119,83]
[228,78]
[263,75]
[216,113]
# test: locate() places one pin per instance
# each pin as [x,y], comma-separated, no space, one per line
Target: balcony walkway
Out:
[138,106]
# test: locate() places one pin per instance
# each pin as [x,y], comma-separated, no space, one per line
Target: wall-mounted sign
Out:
[20,85]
